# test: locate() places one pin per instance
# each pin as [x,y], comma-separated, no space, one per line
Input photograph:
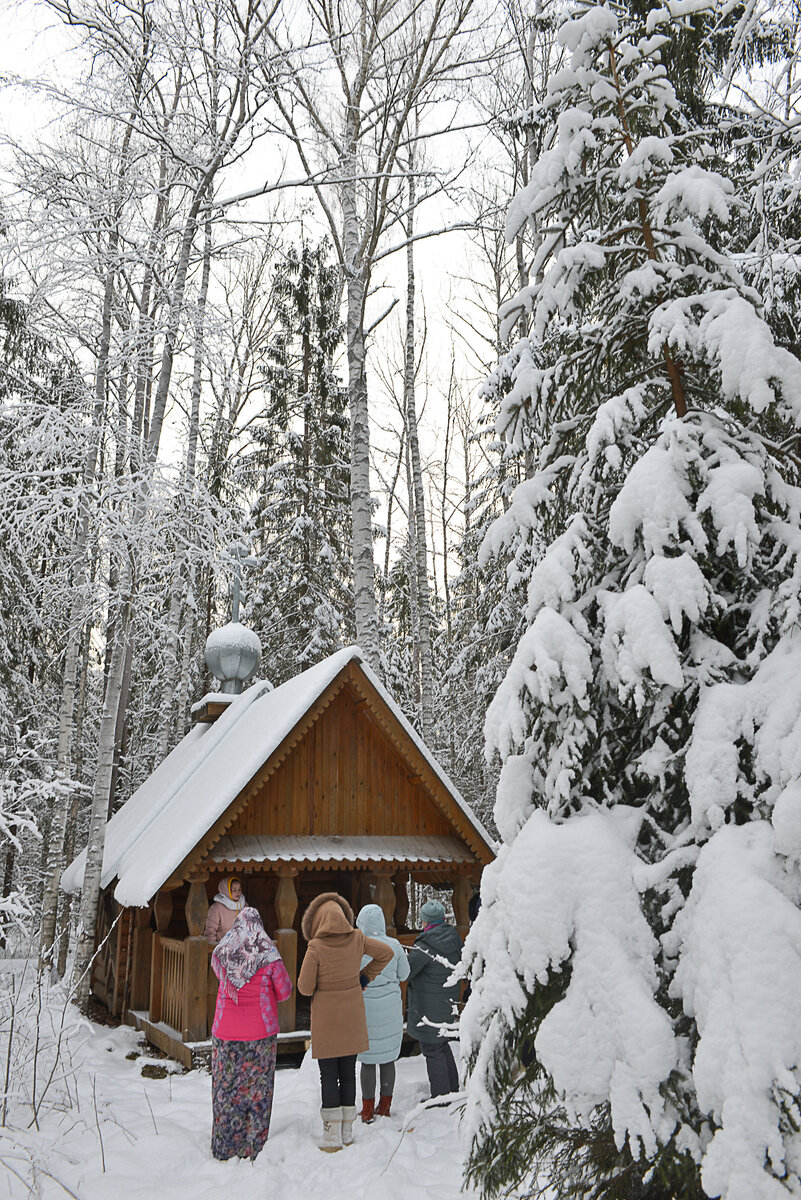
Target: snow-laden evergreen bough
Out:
[634,1027]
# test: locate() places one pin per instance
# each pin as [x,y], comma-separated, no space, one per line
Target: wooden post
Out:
[400,884]
[385,899]
[196,959]
[196,967]
[142,955]
[462,891]
[286,906]
[162,913]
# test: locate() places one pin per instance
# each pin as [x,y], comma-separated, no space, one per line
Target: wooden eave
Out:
[248,866]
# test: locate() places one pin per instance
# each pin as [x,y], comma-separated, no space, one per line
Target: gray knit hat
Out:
[432,912]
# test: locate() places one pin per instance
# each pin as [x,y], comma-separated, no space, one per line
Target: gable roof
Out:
[166,818]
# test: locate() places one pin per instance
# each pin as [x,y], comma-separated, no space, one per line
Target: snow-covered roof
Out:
[167,816]
[252,848]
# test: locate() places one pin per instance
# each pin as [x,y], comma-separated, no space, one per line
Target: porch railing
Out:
[181,989]
[172,986]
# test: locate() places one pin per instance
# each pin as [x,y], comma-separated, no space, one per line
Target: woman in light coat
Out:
[224,909]
[333,975]
[384,1008]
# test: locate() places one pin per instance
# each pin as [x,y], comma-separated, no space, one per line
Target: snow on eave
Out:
[148,802]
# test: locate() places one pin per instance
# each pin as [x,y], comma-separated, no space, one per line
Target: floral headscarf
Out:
[245,948]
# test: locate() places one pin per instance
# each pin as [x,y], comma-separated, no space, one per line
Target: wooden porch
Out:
[163,984]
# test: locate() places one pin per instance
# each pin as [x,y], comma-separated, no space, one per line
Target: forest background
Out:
[206,256]
[470,335]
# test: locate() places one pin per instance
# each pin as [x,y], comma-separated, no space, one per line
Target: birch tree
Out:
[417,500]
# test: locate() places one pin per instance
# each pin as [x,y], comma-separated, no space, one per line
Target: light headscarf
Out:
[245,948]
[224,896]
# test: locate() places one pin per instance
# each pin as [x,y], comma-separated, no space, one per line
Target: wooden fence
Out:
[180,988]
[172,982]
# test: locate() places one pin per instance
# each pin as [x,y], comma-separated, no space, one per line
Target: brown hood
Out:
[328,913]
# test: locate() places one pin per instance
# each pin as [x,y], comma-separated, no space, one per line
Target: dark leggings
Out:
[338,1080]
[387,1079]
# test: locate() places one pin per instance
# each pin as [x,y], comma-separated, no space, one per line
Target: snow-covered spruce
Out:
[633,1028]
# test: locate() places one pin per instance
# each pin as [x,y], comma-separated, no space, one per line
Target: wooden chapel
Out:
[318,785]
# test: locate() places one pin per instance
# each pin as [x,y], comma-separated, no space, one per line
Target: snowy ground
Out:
[108,1133]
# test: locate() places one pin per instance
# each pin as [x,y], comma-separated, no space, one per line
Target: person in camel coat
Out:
[333,976]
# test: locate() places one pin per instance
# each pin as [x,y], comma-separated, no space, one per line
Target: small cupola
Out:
[232,654]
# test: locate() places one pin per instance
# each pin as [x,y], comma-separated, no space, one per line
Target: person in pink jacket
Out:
[224,908]
[253,981]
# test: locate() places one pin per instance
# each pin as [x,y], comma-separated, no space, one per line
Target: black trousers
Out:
[338,1080]
[441,1066]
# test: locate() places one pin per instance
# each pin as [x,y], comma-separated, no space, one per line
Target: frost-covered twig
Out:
[97,1123]
[8,1048]
[150,1107]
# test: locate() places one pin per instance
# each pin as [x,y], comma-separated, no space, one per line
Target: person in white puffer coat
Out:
[384,1008]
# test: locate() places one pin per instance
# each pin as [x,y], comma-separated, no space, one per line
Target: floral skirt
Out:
[242,1076]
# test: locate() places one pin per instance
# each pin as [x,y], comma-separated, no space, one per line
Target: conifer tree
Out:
[632,1029]
[302,608]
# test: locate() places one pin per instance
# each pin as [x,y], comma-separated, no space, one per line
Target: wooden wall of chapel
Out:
[343,777]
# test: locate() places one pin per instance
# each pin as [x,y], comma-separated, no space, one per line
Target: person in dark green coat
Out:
[430,1004]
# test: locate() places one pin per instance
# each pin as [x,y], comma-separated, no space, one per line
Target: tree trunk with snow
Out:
[58,826]
[420,565]
[167,708]
[356,279]
[90,892]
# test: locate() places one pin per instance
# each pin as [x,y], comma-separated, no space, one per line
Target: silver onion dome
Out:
[232,655]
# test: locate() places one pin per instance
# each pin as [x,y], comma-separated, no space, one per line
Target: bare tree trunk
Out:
[167,706]
[186,657]
[360,500]
[390,505]
[87,918]
[122,717]
[420,562]
[446,587]
[65,912]
[58,825]
[8,876]
[197,373]
[414,598]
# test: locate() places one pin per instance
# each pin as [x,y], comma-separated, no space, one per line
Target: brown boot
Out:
[368,1110]
[383,1106]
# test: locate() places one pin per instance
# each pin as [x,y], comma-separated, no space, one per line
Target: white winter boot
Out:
[332,1129]
[348,1117]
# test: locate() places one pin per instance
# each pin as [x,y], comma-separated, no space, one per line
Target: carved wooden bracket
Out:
[162,910]
[197,906]
[286,898]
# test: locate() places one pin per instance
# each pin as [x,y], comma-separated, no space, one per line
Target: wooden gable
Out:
[343,777]
[348,768]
